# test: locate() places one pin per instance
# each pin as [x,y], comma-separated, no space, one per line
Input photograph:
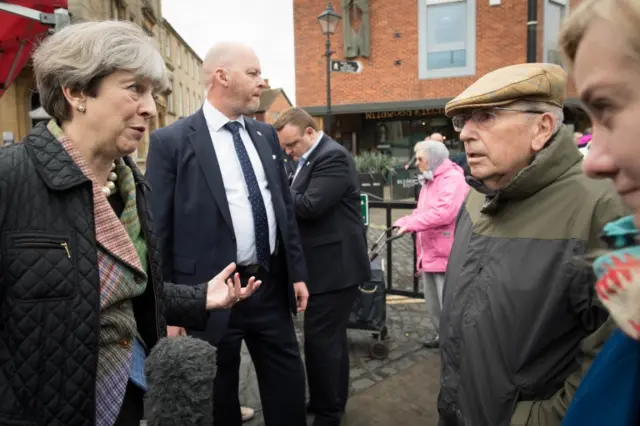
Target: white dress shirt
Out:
[235,186]
[303,159]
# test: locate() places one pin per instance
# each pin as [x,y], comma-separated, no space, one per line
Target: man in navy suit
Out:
[326,197]
[220,194]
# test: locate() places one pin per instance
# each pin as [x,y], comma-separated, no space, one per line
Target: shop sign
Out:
[388,115]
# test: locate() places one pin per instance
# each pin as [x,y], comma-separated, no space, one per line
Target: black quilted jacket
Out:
[49,286]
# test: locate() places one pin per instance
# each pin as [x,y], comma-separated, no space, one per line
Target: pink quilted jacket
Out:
[434,220]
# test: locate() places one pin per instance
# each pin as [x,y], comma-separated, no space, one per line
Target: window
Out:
[447,38]
[118,11]
[554,13]
[187,110]
[167,46]
[179,55]
[180,107]
[170,98]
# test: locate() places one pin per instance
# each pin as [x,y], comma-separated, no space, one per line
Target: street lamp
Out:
[328,21]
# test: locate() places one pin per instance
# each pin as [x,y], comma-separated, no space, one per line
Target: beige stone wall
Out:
[15,106]
[185,68]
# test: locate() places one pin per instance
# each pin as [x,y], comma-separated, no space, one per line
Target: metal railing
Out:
[389,206]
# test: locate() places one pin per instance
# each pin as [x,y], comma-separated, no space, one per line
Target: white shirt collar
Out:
[315,144]
[215,119]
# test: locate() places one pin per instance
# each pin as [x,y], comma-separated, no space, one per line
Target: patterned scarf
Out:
[618,275]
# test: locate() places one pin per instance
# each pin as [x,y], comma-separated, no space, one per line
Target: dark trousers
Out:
[326,353]
[264,322]
[132,409]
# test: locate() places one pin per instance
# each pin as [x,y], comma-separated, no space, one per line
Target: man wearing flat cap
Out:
[520,320]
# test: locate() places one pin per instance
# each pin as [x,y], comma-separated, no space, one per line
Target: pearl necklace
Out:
[110,187]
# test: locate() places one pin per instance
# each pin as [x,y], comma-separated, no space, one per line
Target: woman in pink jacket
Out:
[443,192]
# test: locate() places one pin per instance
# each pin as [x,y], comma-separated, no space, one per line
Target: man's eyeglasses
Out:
[484,117]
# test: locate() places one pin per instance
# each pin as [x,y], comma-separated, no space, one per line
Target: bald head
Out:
[224,55]
[436,137]
[232,75]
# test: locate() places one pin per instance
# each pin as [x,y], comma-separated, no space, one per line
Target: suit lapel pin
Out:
[258,132]
[274,157]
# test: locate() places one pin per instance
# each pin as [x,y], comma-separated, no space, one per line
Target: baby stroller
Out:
[369,311]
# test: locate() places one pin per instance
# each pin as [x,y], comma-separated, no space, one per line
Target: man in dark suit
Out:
[220,194]
[326,197]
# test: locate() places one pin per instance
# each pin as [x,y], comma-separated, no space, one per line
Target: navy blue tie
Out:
[260,222]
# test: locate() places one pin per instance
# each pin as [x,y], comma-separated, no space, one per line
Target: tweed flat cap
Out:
[536,82]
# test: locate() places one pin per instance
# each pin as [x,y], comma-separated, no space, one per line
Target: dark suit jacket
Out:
[326,195]
[190,205]
[290,166]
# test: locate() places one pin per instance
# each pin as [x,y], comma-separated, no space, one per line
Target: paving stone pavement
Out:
[407,326]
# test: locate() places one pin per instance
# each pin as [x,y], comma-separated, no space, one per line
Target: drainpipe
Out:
[532,30]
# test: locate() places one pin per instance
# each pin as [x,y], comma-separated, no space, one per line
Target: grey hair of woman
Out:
[436,153]
[79,56]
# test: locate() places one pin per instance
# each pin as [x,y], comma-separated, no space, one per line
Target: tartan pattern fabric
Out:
[122,262]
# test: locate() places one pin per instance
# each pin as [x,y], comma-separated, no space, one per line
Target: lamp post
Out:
[328,21]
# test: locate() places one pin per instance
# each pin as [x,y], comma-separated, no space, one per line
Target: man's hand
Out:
[223,292]
[302,295]
[175,331]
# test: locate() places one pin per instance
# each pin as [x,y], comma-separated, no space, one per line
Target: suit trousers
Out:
[265,323]
[326,353]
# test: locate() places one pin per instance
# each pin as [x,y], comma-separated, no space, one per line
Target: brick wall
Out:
[280,105]
[501,40]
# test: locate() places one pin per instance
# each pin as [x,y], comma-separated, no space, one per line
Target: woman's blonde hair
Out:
[80,56]
[623,14]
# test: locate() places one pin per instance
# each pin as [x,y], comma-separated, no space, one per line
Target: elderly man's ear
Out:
[543,131]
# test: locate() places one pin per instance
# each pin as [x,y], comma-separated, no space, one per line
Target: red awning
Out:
[19,36]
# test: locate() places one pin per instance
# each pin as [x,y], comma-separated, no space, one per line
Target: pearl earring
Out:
[81,108]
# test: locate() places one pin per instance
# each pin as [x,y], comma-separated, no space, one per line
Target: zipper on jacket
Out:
[42,242]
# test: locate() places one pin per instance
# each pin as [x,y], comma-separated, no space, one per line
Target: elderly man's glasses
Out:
[484,117]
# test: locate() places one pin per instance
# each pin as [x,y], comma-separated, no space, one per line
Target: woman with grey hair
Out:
[443,192]
[81,291]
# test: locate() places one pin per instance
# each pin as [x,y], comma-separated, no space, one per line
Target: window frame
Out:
[181,101]
[187,102]
[424,72]
[546,13]
[170,98]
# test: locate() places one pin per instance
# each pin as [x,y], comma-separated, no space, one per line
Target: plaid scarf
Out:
[122,262]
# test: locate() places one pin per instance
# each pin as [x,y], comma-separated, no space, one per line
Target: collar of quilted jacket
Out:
[547,166]
[56,168]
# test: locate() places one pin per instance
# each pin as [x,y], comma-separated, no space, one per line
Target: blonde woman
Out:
[601,42]
[82,299]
